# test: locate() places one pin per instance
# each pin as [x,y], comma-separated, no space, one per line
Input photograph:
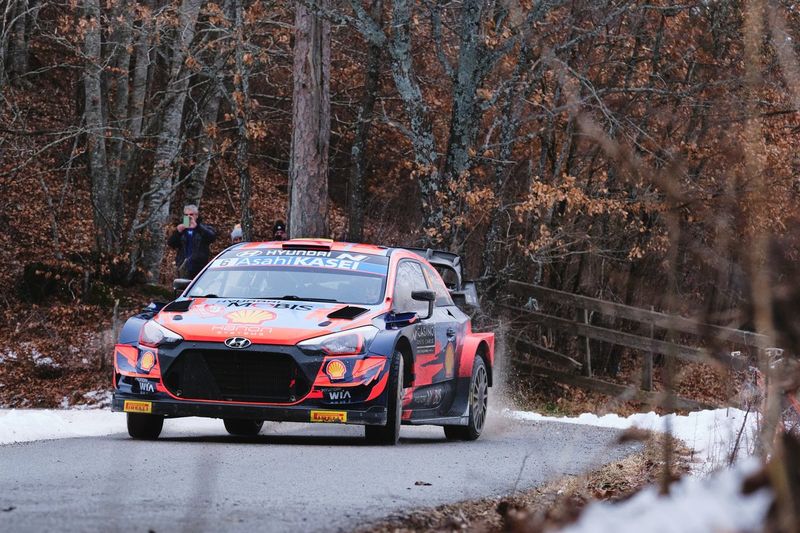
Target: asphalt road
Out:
[293,477]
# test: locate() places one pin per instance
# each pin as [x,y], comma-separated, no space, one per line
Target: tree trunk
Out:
[195,184]
[160,192]
[469,76]
[138,93]
[196,181]
[308,166]
[242,108]
[104,187]
[418,114]
[121,37]
[357,185]
[19,47]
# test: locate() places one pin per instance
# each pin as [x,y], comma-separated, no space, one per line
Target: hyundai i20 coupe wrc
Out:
[310,330]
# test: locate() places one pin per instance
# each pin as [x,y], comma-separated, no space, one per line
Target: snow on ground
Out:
[693,505]
[25,425]
[712,434]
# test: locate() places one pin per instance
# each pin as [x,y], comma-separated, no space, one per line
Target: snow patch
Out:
[96,399]
[712,434]
[693,505]
[25,425]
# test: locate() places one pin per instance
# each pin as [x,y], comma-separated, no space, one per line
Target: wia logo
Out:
[339,395]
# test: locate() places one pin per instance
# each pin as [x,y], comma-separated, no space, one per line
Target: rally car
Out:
[310,331]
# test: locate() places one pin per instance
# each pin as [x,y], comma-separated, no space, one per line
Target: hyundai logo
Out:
[237,342]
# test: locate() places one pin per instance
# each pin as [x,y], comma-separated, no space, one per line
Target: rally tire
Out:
[390,433]
[144,427]
[243,428]
[478,403]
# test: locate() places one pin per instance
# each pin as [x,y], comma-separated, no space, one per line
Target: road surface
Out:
[292,477]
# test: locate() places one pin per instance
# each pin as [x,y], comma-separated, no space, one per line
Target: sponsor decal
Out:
[335,370]
[145,385]
[147,361]
[337,395]
[208,310]
[449,360]
[239,330]
[250,316]
[424,338]
[303,258]
[131,406]
[271,304]
[329,416]
[432,396]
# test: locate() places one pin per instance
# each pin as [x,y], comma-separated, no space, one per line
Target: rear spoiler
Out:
[440,258]
[464,292]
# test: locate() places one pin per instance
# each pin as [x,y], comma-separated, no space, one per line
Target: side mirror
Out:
[425,296]
[179,285]
[467,296]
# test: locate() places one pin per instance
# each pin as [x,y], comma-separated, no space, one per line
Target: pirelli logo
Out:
[132,406]
[329,416]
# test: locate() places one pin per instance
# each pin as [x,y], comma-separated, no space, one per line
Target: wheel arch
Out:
[477,345]
[403,345]
[483,353]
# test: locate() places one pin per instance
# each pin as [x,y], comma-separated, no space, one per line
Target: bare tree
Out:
[105,189]
[161,189]
[308,166]
[356,183]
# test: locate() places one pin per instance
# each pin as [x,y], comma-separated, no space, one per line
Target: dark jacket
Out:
[195,255]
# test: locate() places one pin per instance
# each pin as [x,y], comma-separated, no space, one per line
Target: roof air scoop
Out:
[308,244]
[348,312]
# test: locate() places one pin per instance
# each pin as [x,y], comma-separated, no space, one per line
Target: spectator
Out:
[191,239]
[279,231]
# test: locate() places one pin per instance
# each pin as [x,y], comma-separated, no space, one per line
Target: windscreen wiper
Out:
[296,298]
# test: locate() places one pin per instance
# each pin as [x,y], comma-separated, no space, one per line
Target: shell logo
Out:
[335,370]
[250,316]
[449,360]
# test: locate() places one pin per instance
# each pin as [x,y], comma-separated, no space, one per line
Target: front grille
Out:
[246,376]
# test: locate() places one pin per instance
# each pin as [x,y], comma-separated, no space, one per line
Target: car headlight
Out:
[154,335]
[351,342]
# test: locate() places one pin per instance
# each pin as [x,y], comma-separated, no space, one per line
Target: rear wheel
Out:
[478,403]
[390,433]
[146,427]
[243,428]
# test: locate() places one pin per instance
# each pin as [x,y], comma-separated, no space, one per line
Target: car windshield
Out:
[330,278]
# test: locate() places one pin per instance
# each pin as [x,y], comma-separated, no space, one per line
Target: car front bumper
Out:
[169,407]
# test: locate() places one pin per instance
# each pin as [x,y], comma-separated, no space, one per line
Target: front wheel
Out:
[243,428]
[145,427]
[390,433]
[478,403]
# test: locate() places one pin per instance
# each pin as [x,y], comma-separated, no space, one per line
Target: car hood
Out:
[262,321]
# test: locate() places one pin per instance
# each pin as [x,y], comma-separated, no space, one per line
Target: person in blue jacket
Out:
[192,239]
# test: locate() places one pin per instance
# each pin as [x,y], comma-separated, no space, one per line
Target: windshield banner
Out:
[303,258]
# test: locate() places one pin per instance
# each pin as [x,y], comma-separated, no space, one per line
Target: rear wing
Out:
[448,264]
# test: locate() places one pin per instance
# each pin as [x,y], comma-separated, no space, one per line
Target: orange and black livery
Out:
[311,330]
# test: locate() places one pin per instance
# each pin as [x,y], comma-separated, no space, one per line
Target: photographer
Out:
[191,239]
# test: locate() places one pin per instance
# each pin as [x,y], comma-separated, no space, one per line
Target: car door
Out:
[422,334]
[450,326]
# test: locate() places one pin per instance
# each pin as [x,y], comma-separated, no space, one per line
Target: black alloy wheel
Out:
[478,404]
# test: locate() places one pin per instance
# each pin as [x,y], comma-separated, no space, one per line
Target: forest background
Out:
[639,152]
